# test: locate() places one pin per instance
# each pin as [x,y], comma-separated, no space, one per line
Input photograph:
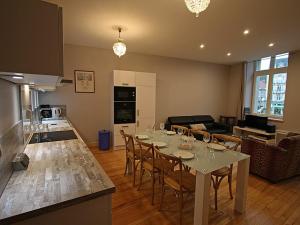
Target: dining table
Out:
[204,162]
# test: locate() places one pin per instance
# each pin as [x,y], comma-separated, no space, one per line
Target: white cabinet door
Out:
[145,79]
[128,128]
[124,78]
[145,100]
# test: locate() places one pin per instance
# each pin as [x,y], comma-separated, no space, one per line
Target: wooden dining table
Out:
[204,162]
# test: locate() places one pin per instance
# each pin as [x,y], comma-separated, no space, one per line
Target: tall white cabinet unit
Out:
[145,84]
[145,100]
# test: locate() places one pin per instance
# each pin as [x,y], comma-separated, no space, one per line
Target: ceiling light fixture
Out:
[246,32]
[119,47]
[271,44]
[18,77]
[229,54]
[202,46]
[197,6]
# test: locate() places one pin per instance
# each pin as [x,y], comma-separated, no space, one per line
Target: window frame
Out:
[270,72]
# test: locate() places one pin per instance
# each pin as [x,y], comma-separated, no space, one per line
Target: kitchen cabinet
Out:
[31,38]
[128,128]
[124,78]
[145,100]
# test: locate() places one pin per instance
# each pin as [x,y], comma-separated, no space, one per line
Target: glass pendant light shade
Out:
[119,47]
[197,6]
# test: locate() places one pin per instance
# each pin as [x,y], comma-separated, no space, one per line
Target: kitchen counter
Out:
[60,174]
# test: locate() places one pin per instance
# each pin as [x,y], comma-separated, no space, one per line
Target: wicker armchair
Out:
[274,162]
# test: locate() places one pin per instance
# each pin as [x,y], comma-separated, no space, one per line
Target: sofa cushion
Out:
[198,126]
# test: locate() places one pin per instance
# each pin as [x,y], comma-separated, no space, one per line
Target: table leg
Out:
[242,185]
[202,191]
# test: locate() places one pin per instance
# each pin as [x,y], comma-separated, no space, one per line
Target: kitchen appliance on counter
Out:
[56,112]
[52,136]
[51,112]
[45,111]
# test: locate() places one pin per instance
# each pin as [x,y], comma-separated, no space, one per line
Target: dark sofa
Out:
[207,120]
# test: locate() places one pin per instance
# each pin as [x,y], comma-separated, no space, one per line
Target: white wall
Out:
[184,87]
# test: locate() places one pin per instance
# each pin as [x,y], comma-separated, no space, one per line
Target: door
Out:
[145,100]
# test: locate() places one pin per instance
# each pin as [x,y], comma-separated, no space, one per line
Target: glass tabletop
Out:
[205,159]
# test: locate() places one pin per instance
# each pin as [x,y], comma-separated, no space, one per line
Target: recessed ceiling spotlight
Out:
[246,32]
[18,77]
[202,46]
[229,54]
[271,44]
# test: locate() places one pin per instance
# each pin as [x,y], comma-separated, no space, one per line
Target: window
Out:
[270,86]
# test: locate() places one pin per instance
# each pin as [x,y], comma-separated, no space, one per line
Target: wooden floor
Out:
[276,204]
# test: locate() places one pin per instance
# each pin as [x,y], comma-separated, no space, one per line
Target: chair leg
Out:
[216,198]
[134,171]
[162,194]
[126,167]
[153,182]
[141,178]
[230,185]
[180,207]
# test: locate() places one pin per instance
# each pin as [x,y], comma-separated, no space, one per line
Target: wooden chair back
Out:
[186,131]
[219,138]
[129,142]
[200,132]
[169,164]
[147,151]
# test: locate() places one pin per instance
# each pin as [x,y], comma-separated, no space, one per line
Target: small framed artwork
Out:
[84,81]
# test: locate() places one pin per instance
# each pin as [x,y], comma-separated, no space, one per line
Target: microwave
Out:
[124,94]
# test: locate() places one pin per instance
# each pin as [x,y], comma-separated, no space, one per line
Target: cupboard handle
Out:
[137,123]
[125,84]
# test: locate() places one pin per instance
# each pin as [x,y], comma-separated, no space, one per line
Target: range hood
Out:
[39,82]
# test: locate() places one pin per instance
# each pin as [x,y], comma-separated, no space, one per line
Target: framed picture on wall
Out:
[84,81]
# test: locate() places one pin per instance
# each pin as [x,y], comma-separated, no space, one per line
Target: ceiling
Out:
[167,28]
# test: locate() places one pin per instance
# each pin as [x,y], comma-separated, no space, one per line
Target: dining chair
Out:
[175,177]
[149,163]
[186,131]
[218,175]
[200,133]
[132,154]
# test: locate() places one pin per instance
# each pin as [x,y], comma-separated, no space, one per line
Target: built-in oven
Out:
[124,112]
[124,94]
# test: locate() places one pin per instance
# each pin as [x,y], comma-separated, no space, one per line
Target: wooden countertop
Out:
[60,174]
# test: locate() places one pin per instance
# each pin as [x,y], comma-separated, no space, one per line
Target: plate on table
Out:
[183,154]
[216,147]
[142,136]
[159,144]
[170,132]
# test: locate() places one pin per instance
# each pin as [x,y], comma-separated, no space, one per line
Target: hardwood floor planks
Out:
[267,204]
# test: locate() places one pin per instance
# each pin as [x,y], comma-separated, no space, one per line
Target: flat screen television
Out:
[259,122]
